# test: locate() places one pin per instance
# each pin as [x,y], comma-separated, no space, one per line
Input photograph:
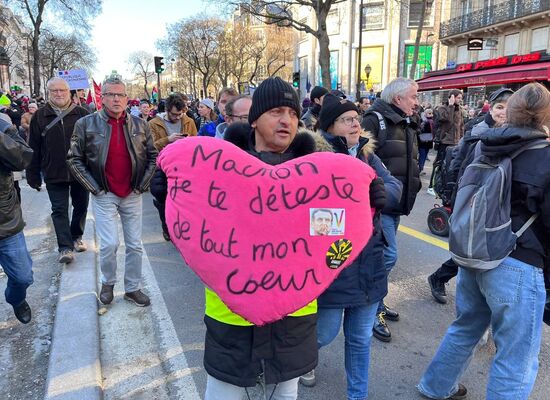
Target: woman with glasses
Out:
[208,118]
[354,296]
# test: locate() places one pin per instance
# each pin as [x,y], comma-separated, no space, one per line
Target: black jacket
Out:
[530,188]
[90,145]
[50,150]
[282,350]
[15,155]
[398,152]
[366,280]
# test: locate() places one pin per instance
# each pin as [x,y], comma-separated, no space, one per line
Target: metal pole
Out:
[158,87]
[358,79]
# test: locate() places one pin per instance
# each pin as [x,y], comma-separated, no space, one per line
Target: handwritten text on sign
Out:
[244,226]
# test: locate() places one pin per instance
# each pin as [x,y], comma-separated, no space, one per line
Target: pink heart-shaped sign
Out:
[267,239]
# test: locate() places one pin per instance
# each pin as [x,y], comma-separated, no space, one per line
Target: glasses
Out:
[240,117]
[58,90]
[350,120]
[175,115]
[114,95]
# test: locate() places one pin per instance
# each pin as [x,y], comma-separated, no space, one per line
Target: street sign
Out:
[76,78]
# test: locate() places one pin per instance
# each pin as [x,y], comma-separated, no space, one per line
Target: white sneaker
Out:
[308,379]
[430,191]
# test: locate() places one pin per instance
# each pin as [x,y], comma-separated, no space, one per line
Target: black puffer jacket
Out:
[15,155]
[50,150]
[530,188]
[398,152]
[281,350]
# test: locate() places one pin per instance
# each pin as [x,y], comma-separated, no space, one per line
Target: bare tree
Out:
[64,52]
[196,41]
[71,12]
[280,12]
[279,50]
[141,63]
[418,36]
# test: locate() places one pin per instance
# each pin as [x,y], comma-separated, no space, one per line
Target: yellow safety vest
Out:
[216,309]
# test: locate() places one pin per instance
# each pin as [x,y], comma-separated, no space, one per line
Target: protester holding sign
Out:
[262,283]
[355,294]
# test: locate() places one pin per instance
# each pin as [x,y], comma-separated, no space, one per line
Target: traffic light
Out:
[296,79]
[159,65]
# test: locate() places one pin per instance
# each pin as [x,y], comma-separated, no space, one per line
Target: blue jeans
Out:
[511,299]
[422,156]
[390,223]
[358,322]
[106,209]
[17,264]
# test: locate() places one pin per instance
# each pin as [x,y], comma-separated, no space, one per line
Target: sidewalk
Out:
[118,351]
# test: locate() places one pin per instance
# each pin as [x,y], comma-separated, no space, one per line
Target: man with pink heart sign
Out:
[267,223]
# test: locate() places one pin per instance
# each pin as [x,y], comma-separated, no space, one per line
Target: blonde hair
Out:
[529,107]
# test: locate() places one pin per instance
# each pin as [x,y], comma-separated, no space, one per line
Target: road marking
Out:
[422,236]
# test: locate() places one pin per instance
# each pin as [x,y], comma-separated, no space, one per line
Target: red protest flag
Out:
[97,92]
[89,99]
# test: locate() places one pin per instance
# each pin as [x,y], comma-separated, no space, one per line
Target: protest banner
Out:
[254,232]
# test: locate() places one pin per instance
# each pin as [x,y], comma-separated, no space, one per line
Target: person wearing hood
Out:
[396,145]
[312,114]
[208,118]
[354,296]
[462,157]
[510,297]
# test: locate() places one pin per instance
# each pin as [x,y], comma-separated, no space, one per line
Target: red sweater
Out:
[118,168]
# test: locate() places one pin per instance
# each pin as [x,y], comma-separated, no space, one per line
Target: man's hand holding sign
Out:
[245,227]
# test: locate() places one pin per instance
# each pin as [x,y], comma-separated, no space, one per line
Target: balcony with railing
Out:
[495,14]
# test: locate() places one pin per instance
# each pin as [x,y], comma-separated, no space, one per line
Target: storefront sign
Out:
[475,44]
[500,61]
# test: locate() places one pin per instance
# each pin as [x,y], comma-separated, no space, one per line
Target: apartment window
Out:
[415,9]
[511,44]
[462,55]
[539,39]
[374,15]
[333,22]
[484,54]
[302,35]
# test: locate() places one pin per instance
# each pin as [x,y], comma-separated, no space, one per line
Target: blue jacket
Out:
[366,280]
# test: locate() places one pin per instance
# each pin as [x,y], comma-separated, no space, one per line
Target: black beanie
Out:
[332,108]
[272,93]
[317,92]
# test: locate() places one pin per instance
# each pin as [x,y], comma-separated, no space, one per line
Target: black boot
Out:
[438,289]
[23,312]
[391,315]
[380,329]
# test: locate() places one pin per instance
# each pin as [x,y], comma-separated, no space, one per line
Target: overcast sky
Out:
[125,26]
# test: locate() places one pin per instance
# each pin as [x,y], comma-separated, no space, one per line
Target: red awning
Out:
[494,76]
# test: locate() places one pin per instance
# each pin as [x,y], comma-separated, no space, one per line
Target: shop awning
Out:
[494,76]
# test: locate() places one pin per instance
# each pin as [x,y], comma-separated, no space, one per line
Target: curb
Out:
[74,370]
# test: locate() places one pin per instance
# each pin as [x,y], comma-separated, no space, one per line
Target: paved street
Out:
[156,352]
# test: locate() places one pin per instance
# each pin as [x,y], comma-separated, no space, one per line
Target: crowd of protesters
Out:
[109,156]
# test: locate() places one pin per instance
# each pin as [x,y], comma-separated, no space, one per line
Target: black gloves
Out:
[377,194]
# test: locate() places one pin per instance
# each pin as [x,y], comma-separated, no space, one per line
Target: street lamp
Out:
[368,70]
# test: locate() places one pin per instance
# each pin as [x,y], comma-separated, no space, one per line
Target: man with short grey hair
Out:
[389,120]
[112,154]
[50,133]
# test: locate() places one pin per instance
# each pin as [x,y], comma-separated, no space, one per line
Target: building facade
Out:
[493,43]
[15,52]
[371,43]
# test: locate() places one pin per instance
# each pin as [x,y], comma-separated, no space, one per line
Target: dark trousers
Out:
[440,157]
[161,207]
[447,271]
[67,232]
